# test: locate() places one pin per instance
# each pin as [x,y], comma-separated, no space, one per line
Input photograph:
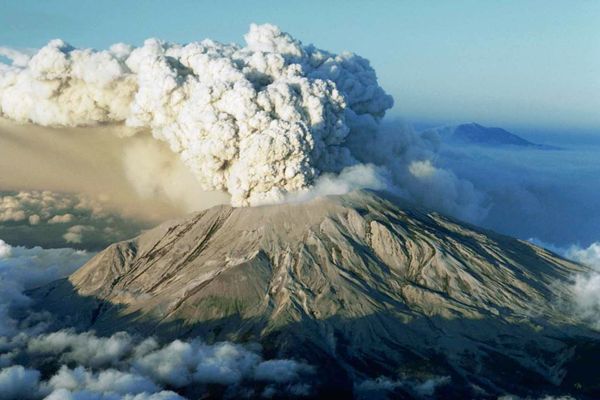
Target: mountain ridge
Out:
[363,281]
[479,135]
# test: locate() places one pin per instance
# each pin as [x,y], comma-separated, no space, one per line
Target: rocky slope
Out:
[360,285]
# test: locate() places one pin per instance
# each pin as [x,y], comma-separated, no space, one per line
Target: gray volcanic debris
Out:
[360,282]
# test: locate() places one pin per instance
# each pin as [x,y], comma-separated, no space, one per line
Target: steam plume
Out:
[256,121]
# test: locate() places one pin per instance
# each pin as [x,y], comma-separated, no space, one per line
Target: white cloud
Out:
[54,219]
[586,290]
[75,233]
[107,381]
[29,268]
[280,370]
[586,295]
[5,249]
[359,176]
[585,301]
[64,394]
[19,383]
[383,387]
[422,169]
[83,348]
[181,363]
[589,256]
[22,268]
[49,206]
[61,219]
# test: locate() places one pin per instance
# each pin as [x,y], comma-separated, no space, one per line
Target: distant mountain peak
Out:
[474,133]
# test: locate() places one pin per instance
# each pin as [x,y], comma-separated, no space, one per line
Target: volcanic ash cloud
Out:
[257,121]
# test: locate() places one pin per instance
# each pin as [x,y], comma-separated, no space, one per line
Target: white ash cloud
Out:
[274,120]
[133,177]
[256,121]
[408,159]
[360,176]
[154,172]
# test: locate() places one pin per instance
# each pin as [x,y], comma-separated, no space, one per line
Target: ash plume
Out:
[257,121]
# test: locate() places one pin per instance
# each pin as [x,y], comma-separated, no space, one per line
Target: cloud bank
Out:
[50,219]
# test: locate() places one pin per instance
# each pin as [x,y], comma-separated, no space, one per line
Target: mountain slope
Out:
[362,282]
[480,135]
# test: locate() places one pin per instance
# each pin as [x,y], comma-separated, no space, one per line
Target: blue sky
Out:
[519,64]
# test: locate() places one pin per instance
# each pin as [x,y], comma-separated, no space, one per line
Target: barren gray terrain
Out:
[359,285]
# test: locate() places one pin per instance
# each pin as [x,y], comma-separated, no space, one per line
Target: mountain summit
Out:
[360,285]
[479,135]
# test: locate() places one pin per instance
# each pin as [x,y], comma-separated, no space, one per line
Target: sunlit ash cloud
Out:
[255,121]
[262,121]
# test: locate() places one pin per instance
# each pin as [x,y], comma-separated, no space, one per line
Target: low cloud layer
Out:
[384,388]
[22,269]
[51,219]
[40,359]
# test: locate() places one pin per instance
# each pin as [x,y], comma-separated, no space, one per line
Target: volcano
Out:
[361,286]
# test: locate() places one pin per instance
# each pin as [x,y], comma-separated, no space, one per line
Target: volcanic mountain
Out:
[360,285]
[475,134]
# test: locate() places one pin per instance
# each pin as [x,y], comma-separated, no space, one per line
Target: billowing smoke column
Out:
[256,121]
